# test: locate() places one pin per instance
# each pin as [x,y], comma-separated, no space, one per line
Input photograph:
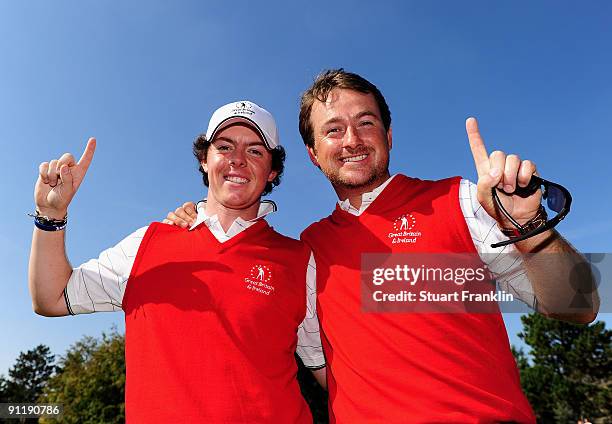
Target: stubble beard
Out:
[375,173]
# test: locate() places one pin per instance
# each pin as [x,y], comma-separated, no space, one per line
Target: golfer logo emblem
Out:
[261,273]
[243,108]
[404,230]
[405,222]
[259,279]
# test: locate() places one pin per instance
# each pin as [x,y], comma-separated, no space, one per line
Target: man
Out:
[211,313]
[417,367]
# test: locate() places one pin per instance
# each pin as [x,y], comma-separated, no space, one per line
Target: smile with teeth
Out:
[237,180]
[354,158]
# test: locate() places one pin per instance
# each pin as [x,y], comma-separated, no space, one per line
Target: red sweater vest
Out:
[408,367]
[211,327]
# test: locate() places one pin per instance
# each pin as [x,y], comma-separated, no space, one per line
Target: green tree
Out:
[3,389]
[568,372]
[28,377]
[90,382]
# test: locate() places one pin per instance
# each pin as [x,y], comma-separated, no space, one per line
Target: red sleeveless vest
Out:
[211,327]
[408,367]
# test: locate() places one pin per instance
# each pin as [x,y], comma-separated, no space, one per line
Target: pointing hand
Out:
[59,180]
[504,172]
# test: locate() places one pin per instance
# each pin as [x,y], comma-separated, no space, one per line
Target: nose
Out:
[237,158]
[351,138]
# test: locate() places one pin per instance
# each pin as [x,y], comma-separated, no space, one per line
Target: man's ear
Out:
[272,175]
[390,138]
[204,166]
[312,154]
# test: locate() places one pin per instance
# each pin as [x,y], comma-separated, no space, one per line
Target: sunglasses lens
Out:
[556,199]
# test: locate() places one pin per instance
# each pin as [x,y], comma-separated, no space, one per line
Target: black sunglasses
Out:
[558,199]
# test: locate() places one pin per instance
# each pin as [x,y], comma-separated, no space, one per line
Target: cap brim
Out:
[236,119]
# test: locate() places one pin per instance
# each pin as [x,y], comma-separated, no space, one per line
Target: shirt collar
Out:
[366,199]
[266,207]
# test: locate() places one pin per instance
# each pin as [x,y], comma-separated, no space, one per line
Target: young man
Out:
[417,367]
[214,314]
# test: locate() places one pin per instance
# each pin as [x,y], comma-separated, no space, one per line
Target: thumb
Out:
[485,183]
[491,178]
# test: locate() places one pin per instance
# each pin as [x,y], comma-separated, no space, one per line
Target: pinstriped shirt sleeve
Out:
[98,285]
[505,262]
[309,347]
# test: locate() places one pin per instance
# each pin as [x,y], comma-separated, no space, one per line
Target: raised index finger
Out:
[479,151]
[88,154]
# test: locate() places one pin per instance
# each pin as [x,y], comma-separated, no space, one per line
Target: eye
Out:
[366,123]
[223,147]
[256,152]
[332,130]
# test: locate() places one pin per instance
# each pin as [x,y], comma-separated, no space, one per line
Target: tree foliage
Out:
[568,372]
[27,378]
[90,383]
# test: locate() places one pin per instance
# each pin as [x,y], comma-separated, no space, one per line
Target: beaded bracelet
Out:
[45,223]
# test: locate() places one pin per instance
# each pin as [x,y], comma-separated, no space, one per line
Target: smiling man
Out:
[429,367]
[213,315]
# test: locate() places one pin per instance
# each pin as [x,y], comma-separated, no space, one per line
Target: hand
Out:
[184,216]
[59,180]
[503,172]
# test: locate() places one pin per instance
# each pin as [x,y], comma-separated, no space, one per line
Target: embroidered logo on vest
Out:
[259,280]
[403,230]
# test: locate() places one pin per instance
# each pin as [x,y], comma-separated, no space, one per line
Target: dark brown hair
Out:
[323,84]
[200,149]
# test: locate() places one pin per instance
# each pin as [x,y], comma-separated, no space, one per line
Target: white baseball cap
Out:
[248,112]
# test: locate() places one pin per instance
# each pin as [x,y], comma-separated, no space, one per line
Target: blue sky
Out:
[144,77]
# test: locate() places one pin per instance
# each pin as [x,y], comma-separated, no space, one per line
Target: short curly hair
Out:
[200,150]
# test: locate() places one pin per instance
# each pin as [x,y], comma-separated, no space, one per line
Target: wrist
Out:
[525,226]
[538,242]
[524,221]
[50,223]
[57,214]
